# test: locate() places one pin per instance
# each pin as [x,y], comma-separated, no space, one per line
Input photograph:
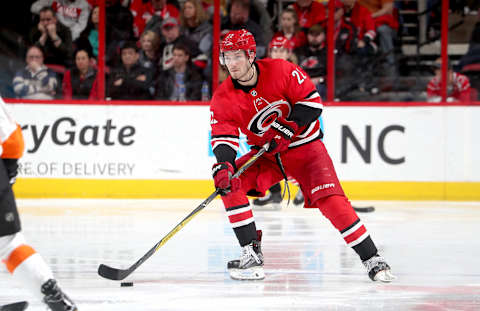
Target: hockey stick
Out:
[18,306]
[120,274]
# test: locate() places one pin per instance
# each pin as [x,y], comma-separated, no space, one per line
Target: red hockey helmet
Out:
[239,40]
[281,42]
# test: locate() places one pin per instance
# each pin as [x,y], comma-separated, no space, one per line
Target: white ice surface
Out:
[432,247]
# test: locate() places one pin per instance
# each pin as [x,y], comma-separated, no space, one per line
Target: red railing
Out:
[202,103]
[215,63]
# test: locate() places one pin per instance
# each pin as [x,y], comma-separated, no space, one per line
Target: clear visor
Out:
[230,58]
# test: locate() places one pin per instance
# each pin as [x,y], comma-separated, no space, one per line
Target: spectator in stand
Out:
[81,81]
[89,37]
[196,26]
[475,39]
[312,12]
[71,13]
[148,55]
[239,18]
[458,85]
[386,26]
[182,81]
[119,30]
[470,62]
[312,57]
[172,36]
[35,81]
[130,81]
[355,51]
[473,53]
[290,28]
[260,15]
[54,38]
[309,13]
[359,19]
[148,15]
[282,48]
[209,8]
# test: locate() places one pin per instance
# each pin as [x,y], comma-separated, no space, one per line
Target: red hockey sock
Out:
[240,215]
[340,212]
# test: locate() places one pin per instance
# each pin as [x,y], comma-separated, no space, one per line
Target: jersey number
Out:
[299,75]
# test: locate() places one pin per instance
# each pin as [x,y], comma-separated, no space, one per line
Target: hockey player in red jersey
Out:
[20,259]
[273,101]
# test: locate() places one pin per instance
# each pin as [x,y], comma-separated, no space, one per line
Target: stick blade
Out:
[18,306]
[112,273]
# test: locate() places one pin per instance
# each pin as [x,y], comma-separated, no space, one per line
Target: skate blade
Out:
[385,276]
[254,273]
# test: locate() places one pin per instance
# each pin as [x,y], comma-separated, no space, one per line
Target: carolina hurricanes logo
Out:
[261,121]
[310,62]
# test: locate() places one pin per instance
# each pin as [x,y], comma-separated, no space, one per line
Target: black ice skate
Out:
[378,269]
[272,200]
[299,199]
[55,299]
[250,264]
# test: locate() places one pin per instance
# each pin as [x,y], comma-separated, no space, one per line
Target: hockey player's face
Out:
[237,63]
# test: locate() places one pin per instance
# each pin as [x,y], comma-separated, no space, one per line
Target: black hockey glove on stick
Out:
[120,274]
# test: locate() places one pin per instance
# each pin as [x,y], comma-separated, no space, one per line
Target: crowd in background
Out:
[161,49]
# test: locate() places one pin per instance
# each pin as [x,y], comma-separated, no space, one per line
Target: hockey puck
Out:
[126,284]
[366,209]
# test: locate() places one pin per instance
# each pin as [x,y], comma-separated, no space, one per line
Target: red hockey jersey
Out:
[281,86]
[362,19]
[314,14]
[460,90]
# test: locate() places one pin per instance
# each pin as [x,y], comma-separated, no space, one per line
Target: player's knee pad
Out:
[9,243]
[338,210]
